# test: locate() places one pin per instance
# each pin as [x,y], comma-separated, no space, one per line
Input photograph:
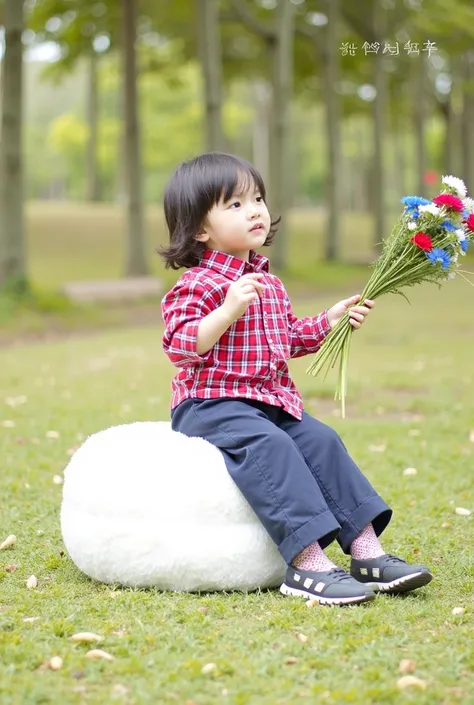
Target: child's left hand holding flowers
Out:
[357,314]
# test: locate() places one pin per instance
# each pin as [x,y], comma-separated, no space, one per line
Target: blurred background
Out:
[344,106]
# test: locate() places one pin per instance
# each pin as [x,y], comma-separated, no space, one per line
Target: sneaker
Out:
[390,574]
[329,587]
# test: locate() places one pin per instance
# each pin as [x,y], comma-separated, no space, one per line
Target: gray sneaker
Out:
[330,587]
[390,574]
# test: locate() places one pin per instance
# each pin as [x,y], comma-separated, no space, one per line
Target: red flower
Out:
[470,222]
[446,199]
[423,241]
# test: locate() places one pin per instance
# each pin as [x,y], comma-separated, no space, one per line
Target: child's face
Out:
[238,225]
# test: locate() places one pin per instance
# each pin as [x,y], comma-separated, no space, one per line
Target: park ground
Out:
[410,406]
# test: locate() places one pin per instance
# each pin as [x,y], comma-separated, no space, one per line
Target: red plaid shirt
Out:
[250,359]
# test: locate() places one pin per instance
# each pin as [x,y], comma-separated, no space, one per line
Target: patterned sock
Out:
[313,558]
[366,545]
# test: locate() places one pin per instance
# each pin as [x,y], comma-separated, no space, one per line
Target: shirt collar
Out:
[233,267]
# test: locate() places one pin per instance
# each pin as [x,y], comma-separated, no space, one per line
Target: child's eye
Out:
[235,203]
[259,199]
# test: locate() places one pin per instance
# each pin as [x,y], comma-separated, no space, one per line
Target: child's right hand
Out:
[240,295]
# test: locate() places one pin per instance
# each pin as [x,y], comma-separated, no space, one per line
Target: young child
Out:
[230,329]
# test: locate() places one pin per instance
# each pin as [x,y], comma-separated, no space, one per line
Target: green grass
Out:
[70,242]
[410,370]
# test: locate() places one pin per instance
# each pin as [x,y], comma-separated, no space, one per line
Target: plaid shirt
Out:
[250,359]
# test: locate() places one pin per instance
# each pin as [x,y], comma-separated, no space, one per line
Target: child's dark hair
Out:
[195,187]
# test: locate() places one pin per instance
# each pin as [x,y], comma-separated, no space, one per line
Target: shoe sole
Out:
[294,592]
[408,582]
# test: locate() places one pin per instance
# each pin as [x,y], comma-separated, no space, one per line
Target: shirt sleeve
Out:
[182,310]
[306,334]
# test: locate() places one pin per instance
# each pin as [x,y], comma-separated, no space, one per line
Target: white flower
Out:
[469,204]
[452,275]
[430,208]
[411,225]
[457,184]
[455,257]
[460,234]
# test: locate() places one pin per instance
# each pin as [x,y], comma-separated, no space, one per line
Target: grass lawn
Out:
[410,405]
[69,242]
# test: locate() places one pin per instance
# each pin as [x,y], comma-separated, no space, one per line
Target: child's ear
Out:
[202,236]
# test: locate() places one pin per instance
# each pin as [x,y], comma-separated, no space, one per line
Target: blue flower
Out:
[447,225]
[414,201]
[464,245]
[466,214]
[439,256]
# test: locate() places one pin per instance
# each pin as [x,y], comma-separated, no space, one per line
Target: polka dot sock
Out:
[313,558]
[366,545]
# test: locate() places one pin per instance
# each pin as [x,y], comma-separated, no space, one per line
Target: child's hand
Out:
[240,295]
[357,314]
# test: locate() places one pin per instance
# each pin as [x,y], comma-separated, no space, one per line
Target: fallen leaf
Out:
[445,525]
[9,541]
[55,663]
[52,434]
[458,610]
[302,637]
[460,511]
[471,436]
[406,666]
[378,449]
[11,568]
[208,668]
[410,682]
[86,637]
[291,660]
[99,654]
[410,471]
[8,423]
[78,674]
[311,602]
[30,619]
[58,480]
[203,610]
[32,582]
[120,689]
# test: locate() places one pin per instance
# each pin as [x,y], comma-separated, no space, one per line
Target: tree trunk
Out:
[280,169]
[261,131]
[333,129]
[136,263]
[12,245]
[210,55]
[92,173]
[468,122]
[379,131]
[420,109]
[449,117]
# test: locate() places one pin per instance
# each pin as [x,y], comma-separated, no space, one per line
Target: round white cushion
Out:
[144,505]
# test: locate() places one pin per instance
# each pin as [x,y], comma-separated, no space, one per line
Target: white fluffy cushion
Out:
[144,505]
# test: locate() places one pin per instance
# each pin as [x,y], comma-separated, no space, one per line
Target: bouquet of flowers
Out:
[424,246]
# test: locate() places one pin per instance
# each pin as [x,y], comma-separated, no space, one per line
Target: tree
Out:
[279,42]
[326,56]
[12,241]
[136,261]
[209,50]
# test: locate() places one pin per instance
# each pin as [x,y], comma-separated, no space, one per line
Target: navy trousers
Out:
[296,475]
